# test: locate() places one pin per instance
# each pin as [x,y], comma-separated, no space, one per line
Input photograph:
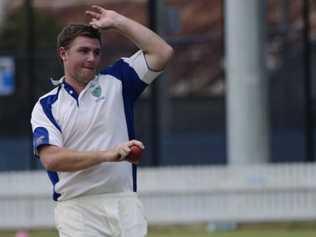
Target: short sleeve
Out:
[139,64]
[45,132]
[134,74]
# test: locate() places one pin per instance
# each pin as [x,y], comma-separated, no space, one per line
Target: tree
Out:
[13,33]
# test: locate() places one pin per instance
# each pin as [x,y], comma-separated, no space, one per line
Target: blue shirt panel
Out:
[133,86]
[46,104]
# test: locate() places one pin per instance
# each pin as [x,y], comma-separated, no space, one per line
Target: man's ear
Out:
[62,53]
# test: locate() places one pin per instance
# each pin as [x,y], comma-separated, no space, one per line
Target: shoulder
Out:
[115,70]
[50,93]
[48,97]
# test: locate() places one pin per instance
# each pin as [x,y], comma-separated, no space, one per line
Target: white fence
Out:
[182,195]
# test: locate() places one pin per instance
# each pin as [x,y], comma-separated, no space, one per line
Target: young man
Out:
[83,129]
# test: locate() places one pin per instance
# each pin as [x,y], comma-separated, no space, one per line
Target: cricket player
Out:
[83,129]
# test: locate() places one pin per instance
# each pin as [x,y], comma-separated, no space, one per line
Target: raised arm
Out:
[157,52]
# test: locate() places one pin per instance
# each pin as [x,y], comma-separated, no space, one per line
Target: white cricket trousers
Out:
[103,215]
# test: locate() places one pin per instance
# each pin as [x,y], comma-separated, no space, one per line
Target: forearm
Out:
[157,51]
[62,159]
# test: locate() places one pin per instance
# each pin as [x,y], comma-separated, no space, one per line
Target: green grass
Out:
[259,230]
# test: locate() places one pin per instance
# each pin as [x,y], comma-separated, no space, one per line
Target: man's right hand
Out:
[102,18]
[121,151]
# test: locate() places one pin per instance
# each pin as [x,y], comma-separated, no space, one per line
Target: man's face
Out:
[81,59]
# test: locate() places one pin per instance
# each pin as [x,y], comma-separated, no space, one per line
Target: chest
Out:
[98,110]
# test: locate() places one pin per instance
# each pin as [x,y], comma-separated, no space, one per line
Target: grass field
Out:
[260,230]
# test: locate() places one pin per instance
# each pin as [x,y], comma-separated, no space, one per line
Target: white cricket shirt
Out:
[99,118]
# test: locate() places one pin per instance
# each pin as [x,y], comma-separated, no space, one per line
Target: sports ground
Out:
[263,230]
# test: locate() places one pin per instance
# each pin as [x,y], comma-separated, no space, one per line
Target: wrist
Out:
[119,21]
[109,155]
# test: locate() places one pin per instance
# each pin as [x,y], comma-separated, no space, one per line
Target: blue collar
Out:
[71,91]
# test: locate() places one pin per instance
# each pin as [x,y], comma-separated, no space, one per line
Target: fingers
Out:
[100,17]
[94,15]
[123,151]
[95,24]
[137,143]
[98,8]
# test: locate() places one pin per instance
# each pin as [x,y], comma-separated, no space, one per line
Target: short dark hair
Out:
[72,31]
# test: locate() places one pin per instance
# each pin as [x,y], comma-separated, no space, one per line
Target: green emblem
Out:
[96,90]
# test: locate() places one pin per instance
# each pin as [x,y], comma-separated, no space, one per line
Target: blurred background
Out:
[229,125]
[193,122]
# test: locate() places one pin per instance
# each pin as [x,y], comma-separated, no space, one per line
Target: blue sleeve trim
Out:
[40,138]
[46,104]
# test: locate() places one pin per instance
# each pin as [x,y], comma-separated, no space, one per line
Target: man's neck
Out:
[76,85]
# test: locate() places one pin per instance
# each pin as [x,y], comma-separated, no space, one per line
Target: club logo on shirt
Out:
[96,90]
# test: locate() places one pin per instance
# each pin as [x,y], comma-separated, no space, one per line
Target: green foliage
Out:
[14,30]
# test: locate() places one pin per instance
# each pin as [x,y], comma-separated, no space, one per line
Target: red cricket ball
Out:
[135,153]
